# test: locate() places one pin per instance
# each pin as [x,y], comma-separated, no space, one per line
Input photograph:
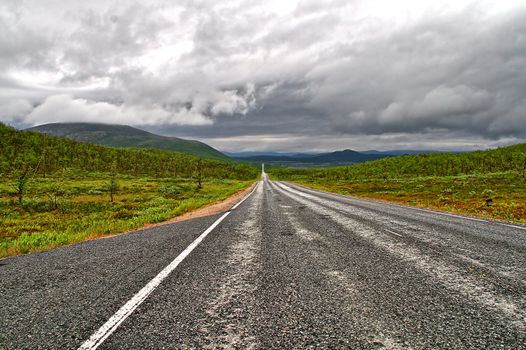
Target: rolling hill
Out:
[56,191]
[504,159]
[299,160]
[490,183]
[127,136]
[23,151]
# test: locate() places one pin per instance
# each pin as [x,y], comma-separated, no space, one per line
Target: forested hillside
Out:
[488,183]
[503,159]
[127,136]
[56,191]
[44,155]
[323,159]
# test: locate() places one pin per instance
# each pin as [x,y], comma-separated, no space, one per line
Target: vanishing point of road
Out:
[287,268]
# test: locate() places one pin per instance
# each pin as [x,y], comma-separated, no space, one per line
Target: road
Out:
[290,267]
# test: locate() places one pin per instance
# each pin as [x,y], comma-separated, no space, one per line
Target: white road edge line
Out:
[248,195]
[514,226]
[430,211]
[394,233]
[452,215]
[127,309]
[489,221]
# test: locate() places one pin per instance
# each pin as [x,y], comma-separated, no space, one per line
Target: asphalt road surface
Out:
[288,268]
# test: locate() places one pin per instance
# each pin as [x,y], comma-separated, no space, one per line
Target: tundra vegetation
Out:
[488,183]
[56,191]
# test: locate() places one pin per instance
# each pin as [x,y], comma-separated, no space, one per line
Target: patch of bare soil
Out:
[208,210]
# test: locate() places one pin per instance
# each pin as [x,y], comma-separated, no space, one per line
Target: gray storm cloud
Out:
[272,75]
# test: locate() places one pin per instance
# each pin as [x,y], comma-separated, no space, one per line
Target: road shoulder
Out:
[207,210]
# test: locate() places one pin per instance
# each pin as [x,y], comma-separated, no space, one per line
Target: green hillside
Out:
[47,155]
[127,136]
[502,159]
[56,191]
[489,183]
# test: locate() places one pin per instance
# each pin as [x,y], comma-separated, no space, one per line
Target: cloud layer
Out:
[298,75]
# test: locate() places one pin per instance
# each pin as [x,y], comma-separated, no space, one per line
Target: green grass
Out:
[463,194]
[26,153]
[127,136]
[56,212]
[458,183]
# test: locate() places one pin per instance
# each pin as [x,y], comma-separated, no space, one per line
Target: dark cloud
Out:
[272,75]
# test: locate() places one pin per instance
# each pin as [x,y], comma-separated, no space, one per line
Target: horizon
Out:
[296,76]
[289,152]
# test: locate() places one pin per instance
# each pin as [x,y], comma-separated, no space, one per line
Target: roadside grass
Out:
[463,194]
[56,212]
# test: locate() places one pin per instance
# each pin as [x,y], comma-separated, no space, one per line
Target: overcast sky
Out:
[272,75]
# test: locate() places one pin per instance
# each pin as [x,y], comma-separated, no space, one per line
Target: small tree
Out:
[23,176]
[21,182]
[54,194]
[174,167]
[113,186]
[199,173]
[28,165]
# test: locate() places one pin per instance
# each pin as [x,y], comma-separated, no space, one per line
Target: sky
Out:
[274,75]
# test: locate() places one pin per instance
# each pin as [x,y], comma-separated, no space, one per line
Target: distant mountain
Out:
[35,154]
[263,153]
[401,152]
[333,158]
[255,154]
[345,156]
[389,153]
[304,155]
[127,136]
[269,158]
